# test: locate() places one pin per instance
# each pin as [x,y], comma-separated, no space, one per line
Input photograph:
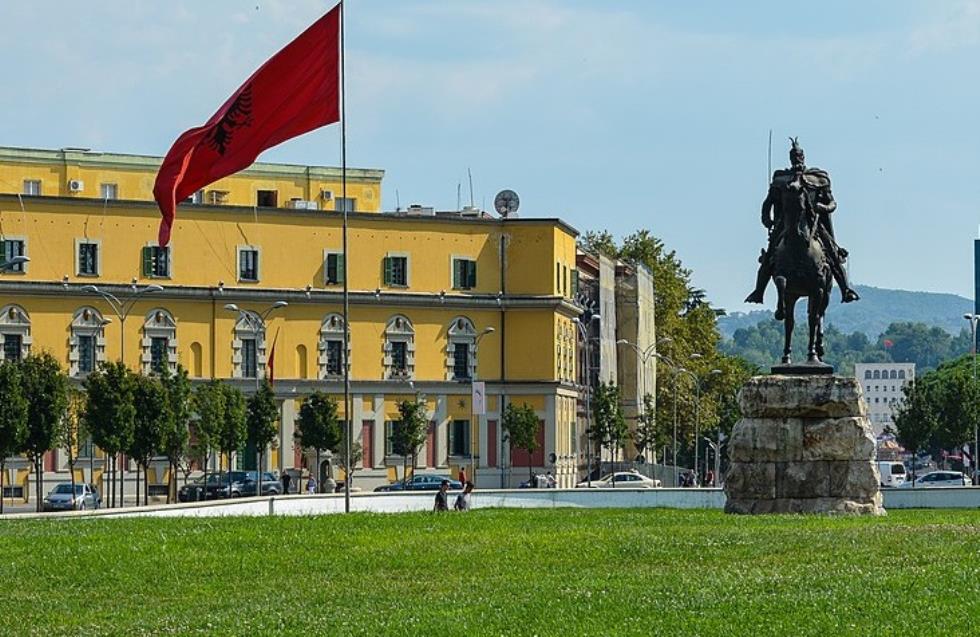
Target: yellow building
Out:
[437,300]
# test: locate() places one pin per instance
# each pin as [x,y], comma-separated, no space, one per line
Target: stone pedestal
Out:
[804,445]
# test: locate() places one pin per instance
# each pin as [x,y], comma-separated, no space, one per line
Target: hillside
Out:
[876,310]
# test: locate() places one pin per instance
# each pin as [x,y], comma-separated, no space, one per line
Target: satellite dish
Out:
[506,202]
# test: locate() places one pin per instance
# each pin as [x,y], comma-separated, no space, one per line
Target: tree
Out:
[647,435]
[915,419]
[319,426]
[13,417]
[209,403]
[608,424]
[46,390]
[356,455]
[69,431]
[410,431]
[261,424]
[522,425]
[109,414]
[149,424]
[173,443]
[233,427]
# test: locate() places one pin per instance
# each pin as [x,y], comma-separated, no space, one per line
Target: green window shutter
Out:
[471,274]
[457,278]
[147,261]
[388,270]
[341,267]
[574,282]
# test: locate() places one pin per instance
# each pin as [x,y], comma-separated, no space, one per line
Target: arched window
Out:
[86,344]
[461,350]
[901,374]
[331,347]
[399,349]
[867,374]
[197,360]
[301,361]
[159,344]
[15,333]
[893,374]
[877,374]
[248,346]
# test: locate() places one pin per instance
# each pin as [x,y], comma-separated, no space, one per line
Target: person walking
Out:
[442,499]
[285,482]
[311,485]
[463,499]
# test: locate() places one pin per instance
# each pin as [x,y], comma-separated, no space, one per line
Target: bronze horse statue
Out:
[801,269]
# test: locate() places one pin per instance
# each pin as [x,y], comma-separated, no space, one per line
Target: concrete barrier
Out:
[398,502]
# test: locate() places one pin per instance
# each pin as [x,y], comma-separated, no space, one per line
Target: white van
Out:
[892,473]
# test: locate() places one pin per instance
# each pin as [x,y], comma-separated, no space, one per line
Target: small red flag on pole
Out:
[297,90]
[271,374]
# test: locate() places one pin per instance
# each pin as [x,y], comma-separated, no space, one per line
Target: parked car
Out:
[622,480]
[193,491]
[939,479]
[61,498]
[421,482]
[227,485]
[270,485]
[891,473]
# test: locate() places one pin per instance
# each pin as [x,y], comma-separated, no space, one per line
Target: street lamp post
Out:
[583,332]
[259,318]
[122,308]
[13,262]
[475,440]
[973,318]
[644,356]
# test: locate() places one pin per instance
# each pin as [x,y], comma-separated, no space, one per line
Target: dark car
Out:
[241,483]
[270,485]
[194,490]
[421,482]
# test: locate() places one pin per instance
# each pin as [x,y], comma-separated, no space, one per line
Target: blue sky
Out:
[611,115]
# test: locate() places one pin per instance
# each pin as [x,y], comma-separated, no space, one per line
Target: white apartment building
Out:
[882,384]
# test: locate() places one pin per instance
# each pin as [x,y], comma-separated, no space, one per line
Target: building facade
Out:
[437,300]
[883,384]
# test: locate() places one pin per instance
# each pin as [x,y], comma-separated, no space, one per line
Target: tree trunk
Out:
[258,471]
[204,492]
[71,471]
[317,469]
[39,482]
[3,470]
[122,481]
[137,484]
[146,485]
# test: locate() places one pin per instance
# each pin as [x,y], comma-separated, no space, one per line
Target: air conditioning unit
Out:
[217,197]
[471,211]
[417,209]
[303,204]
[76,185]
[326,195]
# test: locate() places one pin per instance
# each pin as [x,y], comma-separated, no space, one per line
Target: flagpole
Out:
[348,422]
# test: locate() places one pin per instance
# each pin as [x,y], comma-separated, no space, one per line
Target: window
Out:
[158,353]
[32,187]
[109,191]
[877,374]
[464,274]
[867,374]
[901,374]
[461,361]
[459,438]
[333,268]
[396,271]
[248,264]
[88,258]
[159,343]
[266,198]
[250,368]
[893,374]
[390,427]
[399,356]
[11,248]
[217,197]
[564,280]
[156,262]
[86,353]
[558,276]
[333,350]
[12,346]
[868,388]
[574,283]
[342,204]
[196,198]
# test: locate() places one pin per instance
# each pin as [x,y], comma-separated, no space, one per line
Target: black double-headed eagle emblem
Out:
[239,115]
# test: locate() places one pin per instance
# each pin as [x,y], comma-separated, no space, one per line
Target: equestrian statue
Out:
[802,258]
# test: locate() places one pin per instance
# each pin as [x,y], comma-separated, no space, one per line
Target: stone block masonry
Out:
[804,445]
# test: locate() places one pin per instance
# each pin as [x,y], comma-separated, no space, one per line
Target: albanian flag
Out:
[295,91]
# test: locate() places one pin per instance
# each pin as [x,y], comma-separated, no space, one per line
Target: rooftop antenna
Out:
[459,196]
[470,174]
[398,202]
[769,172]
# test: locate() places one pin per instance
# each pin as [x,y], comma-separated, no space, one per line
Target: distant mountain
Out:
[876,310]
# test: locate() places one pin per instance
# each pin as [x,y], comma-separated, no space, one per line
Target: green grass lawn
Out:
[496,572]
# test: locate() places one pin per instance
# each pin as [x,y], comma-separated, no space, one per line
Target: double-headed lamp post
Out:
[13,262]
[475,440]
[257,320]
[697,406]
[122,308]
[583,331]
[975,456]
[644,356]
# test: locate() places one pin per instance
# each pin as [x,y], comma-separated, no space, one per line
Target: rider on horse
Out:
[814,185]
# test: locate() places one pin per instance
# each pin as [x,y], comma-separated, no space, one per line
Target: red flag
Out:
[294,92]
[271,373]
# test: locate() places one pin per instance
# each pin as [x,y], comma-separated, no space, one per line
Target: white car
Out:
[939,479]
[622,480]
